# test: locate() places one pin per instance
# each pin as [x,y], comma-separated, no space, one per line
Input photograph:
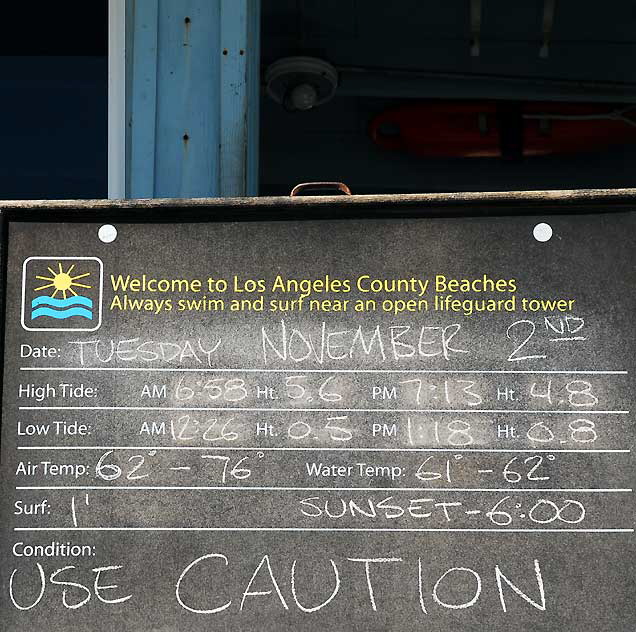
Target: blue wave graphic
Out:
[62,302]
[60,315]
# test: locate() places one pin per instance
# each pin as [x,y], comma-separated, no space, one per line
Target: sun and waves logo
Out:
[62,293]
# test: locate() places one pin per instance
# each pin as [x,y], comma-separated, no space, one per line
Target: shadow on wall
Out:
[332,143]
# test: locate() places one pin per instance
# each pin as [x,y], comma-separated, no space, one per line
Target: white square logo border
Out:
[101,293]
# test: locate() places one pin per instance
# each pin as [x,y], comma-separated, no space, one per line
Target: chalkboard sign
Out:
[327,414]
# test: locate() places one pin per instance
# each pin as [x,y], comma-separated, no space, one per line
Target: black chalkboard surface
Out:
[365,414]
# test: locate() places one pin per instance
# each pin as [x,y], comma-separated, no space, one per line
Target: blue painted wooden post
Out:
[192,98]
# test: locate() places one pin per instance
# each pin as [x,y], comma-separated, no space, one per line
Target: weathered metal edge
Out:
[575,197]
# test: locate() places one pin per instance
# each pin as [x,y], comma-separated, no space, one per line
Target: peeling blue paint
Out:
[193,98]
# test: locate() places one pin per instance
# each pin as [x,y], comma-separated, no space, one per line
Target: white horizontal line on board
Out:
[248,488]
[333,410]
[300,370]
[287,449]
[317,529]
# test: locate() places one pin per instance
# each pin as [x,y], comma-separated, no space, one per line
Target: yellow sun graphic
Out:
[62,281]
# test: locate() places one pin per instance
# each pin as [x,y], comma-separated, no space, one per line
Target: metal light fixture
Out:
[301,83]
